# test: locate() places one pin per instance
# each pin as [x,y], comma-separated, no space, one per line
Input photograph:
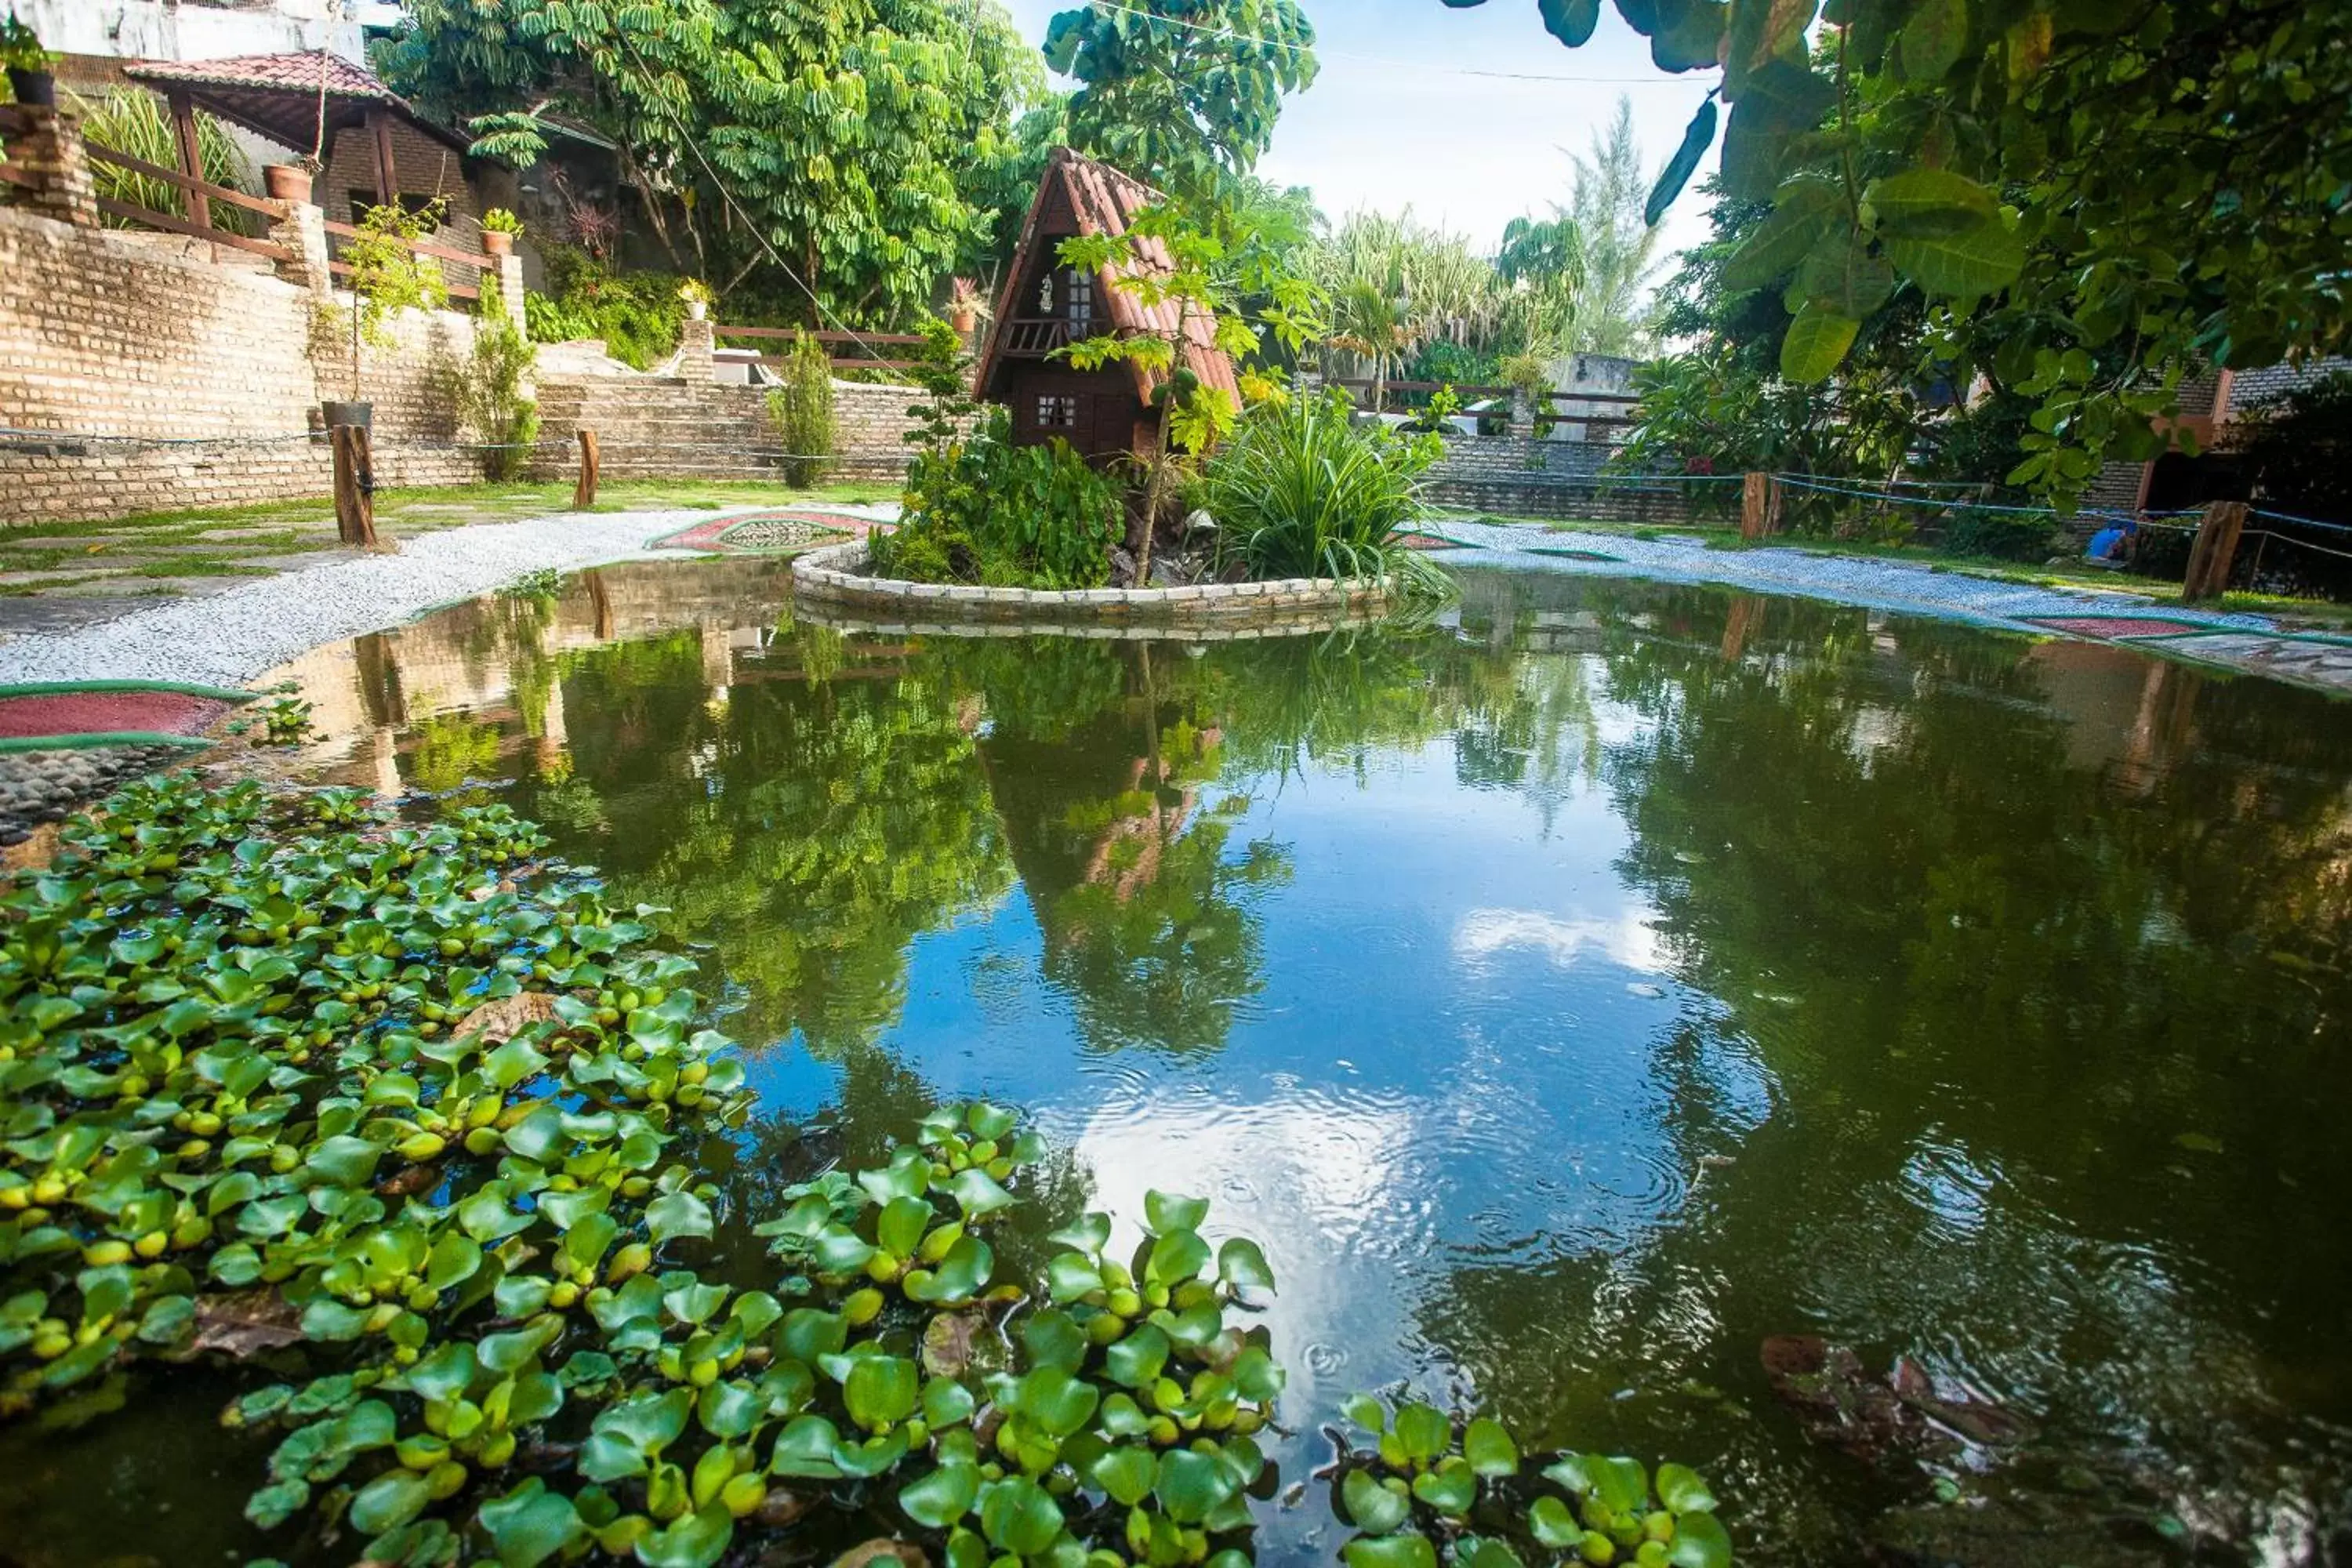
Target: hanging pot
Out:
[964,322]
[33,88]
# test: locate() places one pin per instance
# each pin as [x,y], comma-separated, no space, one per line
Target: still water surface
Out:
[1577,1000]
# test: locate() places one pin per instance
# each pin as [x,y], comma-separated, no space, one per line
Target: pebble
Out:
[227,639]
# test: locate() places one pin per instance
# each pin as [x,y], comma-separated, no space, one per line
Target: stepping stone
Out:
[61,574]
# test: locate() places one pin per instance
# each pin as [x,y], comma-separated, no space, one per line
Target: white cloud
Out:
[1627,941]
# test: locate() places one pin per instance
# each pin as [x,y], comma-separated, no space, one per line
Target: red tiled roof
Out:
[1105,202]
[294,73]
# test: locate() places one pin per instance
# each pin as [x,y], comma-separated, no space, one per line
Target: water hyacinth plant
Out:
[1428,1478]
[410,1112]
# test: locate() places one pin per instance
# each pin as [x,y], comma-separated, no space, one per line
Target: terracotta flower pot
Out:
[497,242]
[964,322]
[286,183]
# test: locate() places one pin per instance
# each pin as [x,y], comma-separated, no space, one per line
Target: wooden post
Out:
[354,486]
[584,495]
[1759,510]
[191,155]
[2215,551]
[387,182]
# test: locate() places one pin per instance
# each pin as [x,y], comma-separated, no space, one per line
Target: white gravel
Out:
[1877,585]
[229,639]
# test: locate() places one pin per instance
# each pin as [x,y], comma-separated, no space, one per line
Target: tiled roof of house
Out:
[291,73]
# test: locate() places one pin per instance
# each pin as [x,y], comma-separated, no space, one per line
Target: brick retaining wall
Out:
[1523,477]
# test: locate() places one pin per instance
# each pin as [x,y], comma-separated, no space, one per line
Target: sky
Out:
[1400,115]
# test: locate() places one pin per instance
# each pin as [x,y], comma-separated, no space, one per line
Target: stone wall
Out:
[173,380]
[1521,477]
[835,577]
[682,426]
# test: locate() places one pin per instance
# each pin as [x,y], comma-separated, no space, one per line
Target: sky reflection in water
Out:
[1569,1000]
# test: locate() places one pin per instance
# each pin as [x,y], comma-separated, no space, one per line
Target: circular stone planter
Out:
[835,577]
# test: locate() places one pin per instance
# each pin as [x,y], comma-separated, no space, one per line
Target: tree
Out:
[2096,196]
[1615,249]
[1182,94]
[855,142]
[388,275]
[493,393]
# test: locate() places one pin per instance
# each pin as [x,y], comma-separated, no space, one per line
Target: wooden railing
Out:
[867,341]
[201,194]
[480,263]
[1036,337]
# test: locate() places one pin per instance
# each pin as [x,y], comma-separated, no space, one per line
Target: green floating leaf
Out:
[1018,1516]
[1389,1552]
[1242,1263]
[389,1502]
[881,1390]
[678,1213]
[1701,1541]
[1127,1474]
[1550,1522]
[941,1498]
[1450,1489]
[530,1525]
[1374,1509]
[1489,1449]
[1680,1489]
[1366,1411]
[1423,1431]
[1166,1212]
[1191,1485]
[696,1541]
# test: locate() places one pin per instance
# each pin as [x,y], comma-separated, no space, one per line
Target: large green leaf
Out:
[1696,139]
[1241,1262]
[1191,1485]
[1935,39]
[1680,1489]
[1165,1212]
[1570,21]
[1923,203]
[389,1502]
[1423,1431]
[1550,1522]
[1127,1474]
[1816,344]
[1842,277]
[678,1213]
[1967,265]
[1806,214]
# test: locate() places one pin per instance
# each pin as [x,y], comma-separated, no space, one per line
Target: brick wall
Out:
[123,334]
[681,427]
[1517,475]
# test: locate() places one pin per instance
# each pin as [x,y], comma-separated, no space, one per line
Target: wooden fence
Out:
[869,342]
[458,288]
[200,195]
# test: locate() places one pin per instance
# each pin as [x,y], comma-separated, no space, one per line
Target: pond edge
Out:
[833,576]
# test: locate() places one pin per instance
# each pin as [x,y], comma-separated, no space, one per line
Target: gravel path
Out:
[230,637]
[1874,584]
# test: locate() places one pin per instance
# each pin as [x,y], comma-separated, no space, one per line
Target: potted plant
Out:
[697,295]
[27,65]
[290,182]
[387,276]
[499,227]
[966,307]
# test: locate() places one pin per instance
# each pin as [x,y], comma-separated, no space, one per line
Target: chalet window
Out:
[1057,413]
[1080,286]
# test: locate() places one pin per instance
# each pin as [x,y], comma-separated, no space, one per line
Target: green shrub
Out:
[1301,489]
[802,412]
[491,398]
[636,313]
[135,123]
[985,511]
[2004,536]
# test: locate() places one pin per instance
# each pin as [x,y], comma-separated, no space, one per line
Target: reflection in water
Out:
[1573,998]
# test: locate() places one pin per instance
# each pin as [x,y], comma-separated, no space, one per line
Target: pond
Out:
[1893,1067]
